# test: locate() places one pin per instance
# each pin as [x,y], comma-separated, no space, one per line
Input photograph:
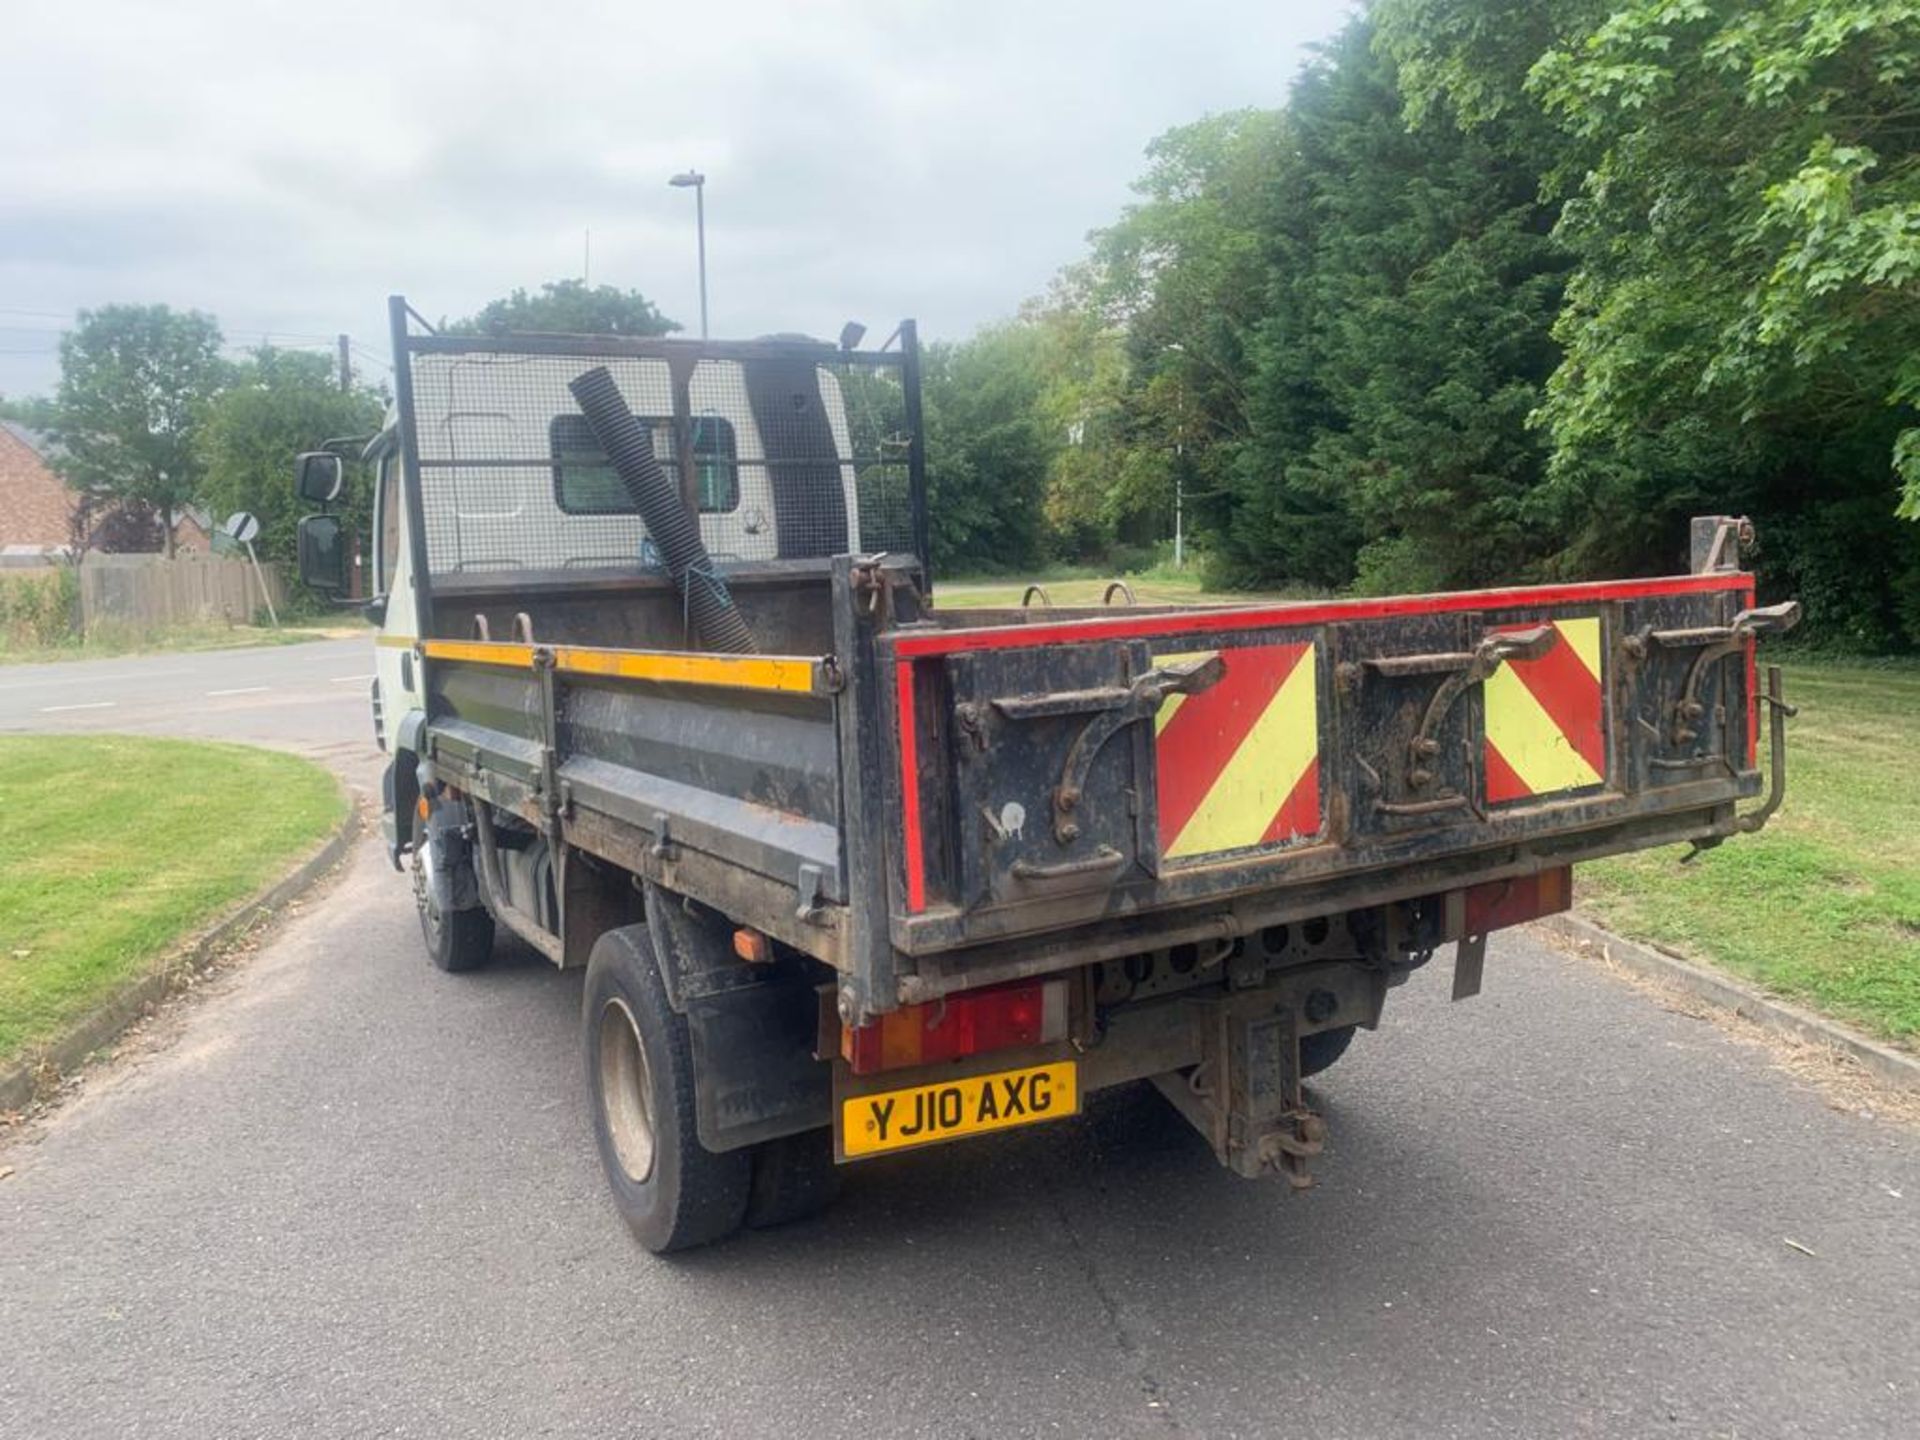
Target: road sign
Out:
[243,528]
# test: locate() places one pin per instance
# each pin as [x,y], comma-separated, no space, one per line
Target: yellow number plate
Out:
[924,1114]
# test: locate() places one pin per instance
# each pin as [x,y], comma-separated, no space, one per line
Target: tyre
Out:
[793,1177]
[672,1192]
[1323,1047]
[457,940]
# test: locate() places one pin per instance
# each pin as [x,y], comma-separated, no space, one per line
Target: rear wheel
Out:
[1323,1047]
[672,1191]
[457,940]
[793,1177]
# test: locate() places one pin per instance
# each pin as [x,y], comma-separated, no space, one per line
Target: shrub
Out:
[40,610]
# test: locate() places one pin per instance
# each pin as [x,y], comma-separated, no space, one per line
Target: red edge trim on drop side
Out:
[1204,622]
[910,788]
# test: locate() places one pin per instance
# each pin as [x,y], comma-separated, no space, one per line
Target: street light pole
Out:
[1179,506]
[1180,473]
[695,181]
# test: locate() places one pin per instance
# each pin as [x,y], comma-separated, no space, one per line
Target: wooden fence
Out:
[151,592]
[145,594]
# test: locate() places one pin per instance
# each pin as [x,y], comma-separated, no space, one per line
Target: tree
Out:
[115,527]
[279,403]
[987,450]
[1186,273]
[1507,289]
[1741,187]
[133,381]
[1083,400]
[569,307]
[1427,288]
[36,412]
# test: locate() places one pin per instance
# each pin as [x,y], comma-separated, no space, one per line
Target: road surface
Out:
[355,1196]
[310,697]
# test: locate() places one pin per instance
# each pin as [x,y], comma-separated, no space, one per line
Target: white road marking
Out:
[83,675]
[242,690]
[348,679]
[90,705]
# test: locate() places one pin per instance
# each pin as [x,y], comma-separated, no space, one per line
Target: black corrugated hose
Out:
[629,447]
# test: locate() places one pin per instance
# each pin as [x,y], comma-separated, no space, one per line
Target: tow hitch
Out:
[1246,1094]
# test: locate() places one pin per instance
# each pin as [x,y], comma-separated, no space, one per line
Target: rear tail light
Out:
[973,1022]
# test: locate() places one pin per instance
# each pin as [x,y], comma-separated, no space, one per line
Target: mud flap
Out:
[752,1029]
[755,1076]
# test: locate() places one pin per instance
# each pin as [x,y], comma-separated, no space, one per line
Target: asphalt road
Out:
[310,697]
[355,1196]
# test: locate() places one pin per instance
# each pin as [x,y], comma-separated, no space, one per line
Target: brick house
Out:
[36,507]
[192,531]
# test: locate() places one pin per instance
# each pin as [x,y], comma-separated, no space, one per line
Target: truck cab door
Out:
[396,686]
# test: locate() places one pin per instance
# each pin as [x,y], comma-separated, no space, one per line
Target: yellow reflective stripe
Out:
[396,642]
[733,672]
[1256,782]
[1583,638]
[484,652]
[737,672]
[1528,740]
[1170,706]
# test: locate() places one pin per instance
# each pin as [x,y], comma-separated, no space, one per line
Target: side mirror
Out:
[323,553]
[319,476]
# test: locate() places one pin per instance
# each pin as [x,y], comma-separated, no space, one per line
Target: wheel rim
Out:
[424,866]
[626,1090]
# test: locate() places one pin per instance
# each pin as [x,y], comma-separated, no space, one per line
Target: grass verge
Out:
[1823,906]
[114,847]
[1161,587]
[106,643]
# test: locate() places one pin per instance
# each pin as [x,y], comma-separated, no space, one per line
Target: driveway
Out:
[355,1196]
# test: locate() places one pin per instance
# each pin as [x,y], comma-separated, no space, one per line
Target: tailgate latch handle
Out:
[1140,700]
[1462,669]
[1714,643]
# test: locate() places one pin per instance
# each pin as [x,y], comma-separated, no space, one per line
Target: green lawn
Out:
[1823,906]
[1160,588]
[114,847]
[187,638]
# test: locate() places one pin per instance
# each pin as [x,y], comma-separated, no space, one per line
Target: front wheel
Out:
[457,940]
[671,1190]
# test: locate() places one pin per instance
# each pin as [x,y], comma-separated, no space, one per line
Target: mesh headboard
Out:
[787,456]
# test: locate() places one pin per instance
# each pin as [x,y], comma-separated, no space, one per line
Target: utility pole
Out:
[346,366]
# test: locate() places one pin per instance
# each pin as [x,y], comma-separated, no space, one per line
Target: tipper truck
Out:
[669,697]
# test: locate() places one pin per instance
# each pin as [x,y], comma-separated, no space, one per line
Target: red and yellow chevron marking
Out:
[1239,762]
[1544,718]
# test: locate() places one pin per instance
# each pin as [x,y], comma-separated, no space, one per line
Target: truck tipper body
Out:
[889,872]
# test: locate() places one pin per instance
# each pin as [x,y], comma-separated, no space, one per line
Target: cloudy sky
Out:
[286,167]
